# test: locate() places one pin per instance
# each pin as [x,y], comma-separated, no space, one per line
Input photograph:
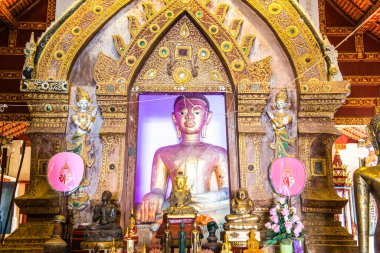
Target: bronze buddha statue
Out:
[366,182]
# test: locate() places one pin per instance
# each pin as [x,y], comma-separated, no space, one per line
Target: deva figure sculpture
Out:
[279,120]
[366,182]
[83,119]
[202,163]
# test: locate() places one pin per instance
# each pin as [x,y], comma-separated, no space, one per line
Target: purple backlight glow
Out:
[156,129]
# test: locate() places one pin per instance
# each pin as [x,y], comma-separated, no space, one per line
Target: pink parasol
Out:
[65,171]
[288,176]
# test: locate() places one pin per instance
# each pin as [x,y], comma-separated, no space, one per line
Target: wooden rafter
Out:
[365,24]
[6,16]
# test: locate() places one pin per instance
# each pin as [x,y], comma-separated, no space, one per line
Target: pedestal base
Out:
[239,238]
[102,246]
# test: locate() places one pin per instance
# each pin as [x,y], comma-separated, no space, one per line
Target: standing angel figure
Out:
[279,120]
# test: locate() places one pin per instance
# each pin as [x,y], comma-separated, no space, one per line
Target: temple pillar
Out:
[48,105]
[319,200]
[253,174]
[114,168]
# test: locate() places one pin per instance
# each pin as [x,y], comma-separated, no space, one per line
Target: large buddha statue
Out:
[200,162]
[366,182]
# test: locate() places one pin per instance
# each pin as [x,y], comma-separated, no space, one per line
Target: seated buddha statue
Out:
[366,182]
[241,216]
[253,244]
[104,228]
[205,165]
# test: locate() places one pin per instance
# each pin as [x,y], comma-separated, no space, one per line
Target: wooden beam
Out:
[7,17]
[369,18]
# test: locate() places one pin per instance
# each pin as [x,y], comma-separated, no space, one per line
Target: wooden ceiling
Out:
[359,55]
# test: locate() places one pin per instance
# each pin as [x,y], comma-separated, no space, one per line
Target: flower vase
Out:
[286,248]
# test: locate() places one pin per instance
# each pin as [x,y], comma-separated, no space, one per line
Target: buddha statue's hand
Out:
[151,204]
[208,197]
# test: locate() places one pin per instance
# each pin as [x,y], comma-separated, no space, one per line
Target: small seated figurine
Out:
[226,247]
[241,216]
[180,197]
[104,228]
[253,244]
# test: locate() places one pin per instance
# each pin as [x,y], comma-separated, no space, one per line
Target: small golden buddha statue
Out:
[253,244]
[131,232]
[226,246]
[366,182]
[241,216]
[180,197]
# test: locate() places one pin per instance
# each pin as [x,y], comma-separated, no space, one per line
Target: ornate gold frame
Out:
[314,161]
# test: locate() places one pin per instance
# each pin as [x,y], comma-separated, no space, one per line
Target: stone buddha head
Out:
[191,114]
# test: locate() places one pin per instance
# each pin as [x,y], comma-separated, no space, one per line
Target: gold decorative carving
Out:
[235,27]
[119,44]
[149,9]
[150,74]
[133,25]
[105,68]
[182,75]
[221,11]
[246,44]
[292,31]
[351,121]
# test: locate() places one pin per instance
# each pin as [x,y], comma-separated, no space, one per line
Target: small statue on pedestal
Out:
[253,244]
[167,239]
[242,216]
[130,238]
[195,240]
[212,240]
[182,239]
[226,247]
[103,228]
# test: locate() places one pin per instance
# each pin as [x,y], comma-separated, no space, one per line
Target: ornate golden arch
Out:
[299,40]
[116,77]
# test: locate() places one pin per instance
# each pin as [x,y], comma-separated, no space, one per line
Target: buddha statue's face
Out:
[241,194]
[190,115]
[180,182]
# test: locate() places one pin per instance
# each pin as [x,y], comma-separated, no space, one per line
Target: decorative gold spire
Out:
[235,27]
[246,44]
[119,43]
[221,12]
[149,10]
[133,25]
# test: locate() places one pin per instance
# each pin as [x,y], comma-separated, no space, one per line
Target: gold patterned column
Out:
[318,102]
[48,105]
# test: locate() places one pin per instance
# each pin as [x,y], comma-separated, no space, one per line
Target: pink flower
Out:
[295,218]
[285,212]
[288,225]
[293,209]
[274,218]
[299,225]
[281,200]
[268,225]
[273,211]
[276,228]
